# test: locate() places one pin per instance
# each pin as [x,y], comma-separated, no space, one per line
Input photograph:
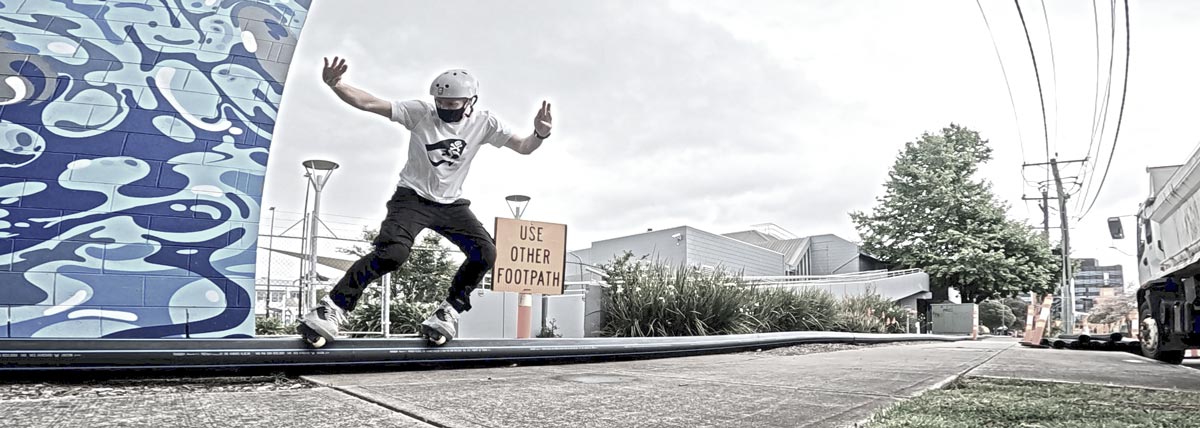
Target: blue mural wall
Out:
[133,146]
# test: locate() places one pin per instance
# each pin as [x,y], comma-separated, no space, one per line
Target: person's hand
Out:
[332,74]
[542,122]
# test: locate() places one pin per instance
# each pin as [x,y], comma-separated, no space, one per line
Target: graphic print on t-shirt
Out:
[445,151]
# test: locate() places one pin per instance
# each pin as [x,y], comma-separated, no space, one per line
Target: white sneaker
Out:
[442,326]
[325,319]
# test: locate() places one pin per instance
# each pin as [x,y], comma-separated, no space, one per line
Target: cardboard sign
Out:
[530,256]
[1036,319]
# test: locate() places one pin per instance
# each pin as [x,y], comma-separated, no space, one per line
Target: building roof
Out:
[792,249]
[752,237]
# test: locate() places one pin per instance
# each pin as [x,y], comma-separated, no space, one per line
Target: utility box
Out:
[955,318]
[493,315]
[562,316]
[593,307]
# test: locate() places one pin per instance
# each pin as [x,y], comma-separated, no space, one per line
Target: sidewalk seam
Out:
[376,402]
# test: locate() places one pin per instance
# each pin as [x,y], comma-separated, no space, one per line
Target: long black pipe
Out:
[117,354]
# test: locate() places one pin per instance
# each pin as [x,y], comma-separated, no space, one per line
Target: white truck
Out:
[1168,255]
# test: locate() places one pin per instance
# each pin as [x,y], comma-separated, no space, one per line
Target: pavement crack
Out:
[820,422]
[381,403]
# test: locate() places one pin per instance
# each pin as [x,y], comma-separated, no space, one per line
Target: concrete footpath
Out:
[745,389]
[764,389]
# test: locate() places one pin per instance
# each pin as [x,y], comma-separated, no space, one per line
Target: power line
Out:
[1053,72]
[1036,74]
[1120,116]
[1011,101]
[1095,93]
[1105,104]
[1103,118]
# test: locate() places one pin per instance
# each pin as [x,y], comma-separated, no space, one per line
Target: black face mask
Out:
[451,116]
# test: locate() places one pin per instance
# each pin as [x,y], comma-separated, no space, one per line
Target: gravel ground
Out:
[814,348]
[29,390]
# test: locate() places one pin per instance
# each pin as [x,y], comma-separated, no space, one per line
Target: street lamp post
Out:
[270,259]
[319,172]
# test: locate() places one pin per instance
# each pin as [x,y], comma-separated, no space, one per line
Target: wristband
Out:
[535,134]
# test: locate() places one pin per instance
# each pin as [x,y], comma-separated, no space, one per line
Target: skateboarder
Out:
[445,136]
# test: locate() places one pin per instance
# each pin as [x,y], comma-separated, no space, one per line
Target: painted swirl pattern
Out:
[133,147]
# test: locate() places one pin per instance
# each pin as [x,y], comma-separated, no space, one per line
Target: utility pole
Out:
[1044,204]
[1067,287]
[1045,215]
[1068,299]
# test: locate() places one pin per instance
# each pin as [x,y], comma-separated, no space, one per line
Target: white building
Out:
[811,255]
[766,255]
[683,245]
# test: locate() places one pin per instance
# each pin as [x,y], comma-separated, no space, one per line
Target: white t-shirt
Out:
[440,153]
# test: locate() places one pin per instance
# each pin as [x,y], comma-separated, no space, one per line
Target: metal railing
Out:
[775,281]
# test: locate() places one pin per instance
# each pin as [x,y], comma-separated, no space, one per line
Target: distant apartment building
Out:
[1094,282]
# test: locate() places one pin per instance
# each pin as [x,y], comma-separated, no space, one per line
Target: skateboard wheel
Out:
[318,342]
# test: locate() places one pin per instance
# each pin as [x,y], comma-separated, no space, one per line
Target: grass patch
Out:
[1010,403]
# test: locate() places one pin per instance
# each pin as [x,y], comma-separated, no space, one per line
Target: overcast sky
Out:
[720,114]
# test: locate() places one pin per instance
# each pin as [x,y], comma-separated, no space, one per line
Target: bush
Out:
[994,313]
[858,322]
[550,331]
[784,309]
[652,299]
[272,326]
[870,313]
[658,300]
[405,317]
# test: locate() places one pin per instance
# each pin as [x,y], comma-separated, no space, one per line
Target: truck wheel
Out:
[1152,338]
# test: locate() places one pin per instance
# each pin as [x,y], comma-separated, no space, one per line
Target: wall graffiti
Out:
[133,148]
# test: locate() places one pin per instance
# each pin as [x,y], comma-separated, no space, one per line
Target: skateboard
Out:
[311,336]
[433,336]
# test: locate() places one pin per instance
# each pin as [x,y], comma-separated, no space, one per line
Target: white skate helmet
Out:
[455,83]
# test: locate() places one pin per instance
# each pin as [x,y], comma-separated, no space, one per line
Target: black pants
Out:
[407,215]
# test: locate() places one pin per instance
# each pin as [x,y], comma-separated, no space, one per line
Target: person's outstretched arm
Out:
[360,99]
[542,123]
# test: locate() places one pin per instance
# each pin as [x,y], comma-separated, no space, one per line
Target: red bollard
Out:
[524,315]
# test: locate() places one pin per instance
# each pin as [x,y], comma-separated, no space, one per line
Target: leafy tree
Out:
[416,287]
[1019,309]
[936,216]
[427,273]
[995,314]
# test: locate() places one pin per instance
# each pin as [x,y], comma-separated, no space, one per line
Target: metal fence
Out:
[283,280]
